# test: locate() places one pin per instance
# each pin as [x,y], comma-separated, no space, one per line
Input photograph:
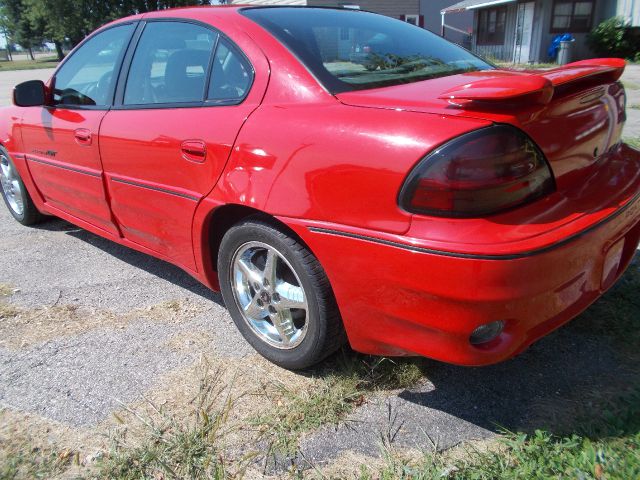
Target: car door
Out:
[166,142]
[61,139]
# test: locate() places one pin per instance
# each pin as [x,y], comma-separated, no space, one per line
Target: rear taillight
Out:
[479,173]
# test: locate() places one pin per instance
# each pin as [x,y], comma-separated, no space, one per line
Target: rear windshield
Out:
[355,50]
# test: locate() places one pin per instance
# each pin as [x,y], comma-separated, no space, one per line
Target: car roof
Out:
[195,12]
[203,12]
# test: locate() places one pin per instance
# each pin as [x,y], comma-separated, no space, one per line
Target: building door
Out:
[524,32]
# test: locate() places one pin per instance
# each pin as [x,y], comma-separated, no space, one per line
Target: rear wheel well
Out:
[225,217]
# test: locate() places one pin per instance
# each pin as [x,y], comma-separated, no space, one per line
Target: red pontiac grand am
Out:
[338,175]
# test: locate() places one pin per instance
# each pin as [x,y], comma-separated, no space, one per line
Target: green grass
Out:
[635,106]
[172,447]
[23,461]
[341,386]
[6,290]
[525,66]
[46,62]
[633,141]
[7,310]
[607,446]
[602,443]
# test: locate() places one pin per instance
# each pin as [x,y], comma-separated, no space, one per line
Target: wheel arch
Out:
[220,220]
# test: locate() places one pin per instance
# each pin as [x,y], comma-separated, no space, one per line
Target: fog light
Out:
[487,332]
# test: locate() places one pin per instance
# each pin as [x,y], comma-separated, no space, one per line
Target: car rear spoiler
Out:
[534,86]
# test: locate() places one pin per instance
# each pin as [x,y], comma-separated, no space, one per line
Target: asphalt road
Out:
[10,79]
[142,320]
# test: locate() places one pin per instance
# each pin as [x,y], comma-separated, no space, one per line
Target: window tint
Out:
[170,65]
[87,77]
[231,75]
[353,50]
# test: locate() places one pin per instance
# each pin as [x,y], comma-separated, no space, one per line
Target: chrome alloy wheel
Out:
[11,185]
[270,295]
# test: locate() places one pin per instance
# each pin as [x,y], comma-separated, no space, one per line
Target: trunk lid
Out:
[575,113]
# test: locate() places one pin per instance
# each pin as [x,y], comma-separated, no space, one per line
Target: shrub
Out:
[613,38]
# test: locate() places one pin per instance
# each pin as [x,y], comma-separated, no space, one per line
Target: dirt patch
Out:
[32,446]
[251,383]
[24,327]
[348,466]
[6,290]
[42,447]
[198,340]
[351,465]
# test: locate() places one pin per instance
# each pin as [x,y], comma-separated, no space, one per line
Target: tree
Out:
[62,21]
[19,26]
[141,6]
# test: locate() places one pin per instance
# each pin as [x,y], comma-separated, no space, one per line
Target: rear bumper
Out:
[398,297]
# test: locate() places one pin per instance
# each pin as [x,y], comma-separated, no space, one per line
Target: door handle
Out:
[83,136]
[194,150]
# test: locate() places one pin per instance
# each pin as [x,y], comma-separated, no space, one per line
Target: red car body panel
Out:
[403,301]
[71,178]
[331,168]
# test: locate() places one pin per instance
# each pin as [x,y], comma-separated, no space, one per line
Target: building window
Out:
[572,16]
[491,26]
[412,19]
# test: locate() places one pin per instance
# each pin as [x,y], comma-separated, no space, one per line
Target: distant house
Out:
[458,28]
[423,13]
[521,31]
[407,10]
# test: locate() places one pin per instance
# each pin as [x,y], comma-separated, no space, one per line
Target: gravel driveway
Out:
[104,326]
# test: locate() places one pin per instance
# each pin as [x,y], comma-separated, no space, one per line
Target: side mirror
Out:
[30,94]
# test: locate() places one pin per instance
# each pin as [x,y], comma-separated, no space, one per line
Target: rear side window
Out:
[171,64]
[353,50]
[231,76]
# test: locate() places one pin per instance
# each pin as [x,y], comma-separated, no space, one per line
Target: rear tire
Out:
[278,295]
[15,195]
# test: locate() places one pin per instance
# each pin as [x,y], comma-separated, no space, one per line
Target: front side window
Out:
[87,77]
[491,26]
[354,50]
[170,65]
[571,16]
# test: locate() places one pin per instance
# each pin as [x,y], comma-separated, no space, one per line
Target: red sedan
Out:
[410,198]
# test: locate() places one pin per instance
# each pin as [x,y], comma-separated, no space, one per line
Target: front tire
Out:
[278,295]
[14,193]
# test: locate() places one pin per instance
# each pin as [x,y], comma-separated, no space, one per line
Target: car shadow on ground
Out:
[152,265]
[574,376]
[563,383]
